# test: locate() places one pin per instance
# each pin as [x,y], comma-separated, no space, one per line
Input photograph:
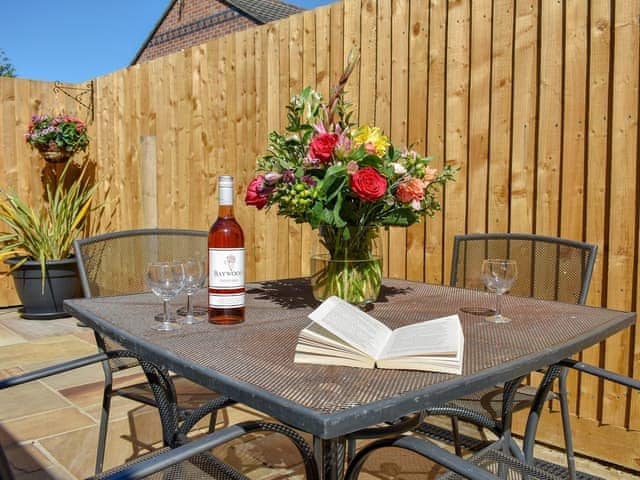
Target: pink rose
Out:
[322,145]
[368,184]
[256,194]
[410,191]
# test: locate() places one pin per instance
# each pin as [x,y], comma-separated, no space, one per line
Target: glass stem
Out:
[166,311]
[498,295]
[189,306]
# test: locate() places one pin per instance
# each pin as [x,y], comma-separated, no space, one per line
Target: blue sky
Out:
[77,40]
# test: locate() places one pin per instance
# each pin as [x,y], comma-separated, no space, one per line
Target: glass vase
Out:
[347,263]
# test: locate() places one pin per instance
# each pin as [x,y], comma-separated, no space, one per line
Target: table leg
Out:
[330,457]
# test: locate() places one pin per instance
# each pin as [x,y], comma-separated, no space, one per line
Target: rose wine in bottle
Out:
[226,261]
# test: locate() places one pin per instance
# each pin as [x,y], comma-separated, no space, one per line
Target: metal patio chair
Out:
[114,264]
[179,459]
[489,463]
[549,268]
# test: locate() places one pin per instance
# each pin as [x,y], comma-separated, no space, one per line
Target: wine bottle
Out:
[226,261]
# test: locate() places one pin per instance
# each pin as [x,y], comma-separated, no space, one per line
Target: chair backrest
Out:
[115,263]
[549,268]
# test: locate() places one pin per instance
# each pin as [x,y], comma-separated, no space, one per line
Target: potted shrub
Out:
[38,244]
[57,137]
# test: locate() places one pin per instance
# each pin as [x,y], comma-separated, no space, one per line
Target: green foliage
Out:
[46,233]
[6,68]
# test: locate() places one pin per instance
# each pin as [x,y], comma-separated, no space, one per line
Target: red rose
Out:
[256,194]
[322,145]
[368,184]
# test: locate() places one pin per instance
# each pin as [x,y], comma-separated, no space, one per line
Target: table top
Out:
[252,362]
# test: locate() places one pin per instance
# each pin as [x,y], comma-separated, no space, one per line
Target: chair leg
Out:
[213,418]
[566,422]
[104,416]
[455,429]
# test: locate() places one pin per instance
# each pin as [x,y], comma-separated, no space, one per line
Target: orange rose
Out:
[410,191]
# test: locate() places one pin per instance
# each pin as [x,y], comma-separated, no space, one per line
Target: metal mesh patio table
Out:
[253,363]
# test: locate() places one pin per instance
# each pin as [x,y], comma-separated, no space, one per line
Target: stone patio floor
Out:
[49,428]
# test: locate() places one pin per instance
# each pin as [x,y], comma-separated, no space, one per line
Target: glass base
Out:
[198,311]
[482,311]
[159,317]
[190,320]
[497,318]
[166,327]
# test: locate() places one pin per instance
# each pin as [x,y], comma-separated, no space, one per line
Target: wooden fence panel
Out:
[536,102]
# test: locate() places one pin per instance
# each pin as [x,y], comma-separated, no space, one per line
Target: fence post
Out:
[148,171]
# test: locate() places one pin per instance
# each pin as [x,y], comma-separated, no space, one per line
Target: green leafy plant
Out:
[6,68]
[64,132]
[46,233]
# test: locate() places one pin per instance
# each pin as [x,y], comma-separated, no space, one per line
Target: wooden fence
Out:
[536,102]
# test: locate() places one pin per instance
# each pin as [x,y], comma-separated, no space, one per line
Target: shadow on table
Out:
[296,293]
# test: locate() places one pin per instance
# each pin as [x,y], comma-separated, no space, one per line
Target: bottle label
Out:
[226,268]
[225,196]
[229,300]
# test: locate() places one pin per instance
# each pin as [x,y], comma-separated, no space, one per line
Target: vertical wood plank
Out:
[457,124]
[597,168]
[399,109]
[417,120]
[352,43]
[367,67]
[296,80]
[549,119]
[525,79]
[500,141]
[479,102]
[435,132]
[573,185]
[198,143]
[265,238]
[279,118]
[383,95]
[309,72]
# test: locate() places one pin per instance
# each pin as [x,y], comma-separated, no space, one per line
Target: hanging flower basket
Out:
[57,137]
[54,154]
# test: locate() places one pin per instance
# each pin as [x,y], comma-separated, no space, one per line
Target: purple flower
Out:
[309,180]
[288,176]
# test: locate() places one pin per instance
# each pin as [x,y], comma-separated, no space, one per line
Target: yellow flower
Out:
[372,139]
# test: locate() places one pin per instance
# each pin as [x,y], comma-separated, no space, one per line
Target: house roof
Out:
[262,11]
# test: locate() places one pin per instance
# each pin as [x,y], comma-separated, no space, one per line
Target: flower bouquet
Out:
[57,137]
[345,180]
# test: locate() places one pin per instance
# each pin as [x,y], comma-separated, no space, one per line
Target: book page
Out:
[438,337]
[352,325]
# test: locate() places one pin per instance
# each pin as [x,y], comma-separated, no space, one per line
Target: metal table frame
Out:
[253,362]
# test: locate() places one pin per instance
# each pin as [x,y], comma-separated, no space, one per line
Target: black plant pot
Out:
[61,283]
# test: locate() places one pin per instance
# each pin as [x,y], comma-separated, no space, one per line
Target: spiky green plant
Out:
[46,233]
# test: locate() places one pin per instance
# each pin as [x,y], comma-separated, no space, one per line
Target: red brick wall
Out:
[195,23]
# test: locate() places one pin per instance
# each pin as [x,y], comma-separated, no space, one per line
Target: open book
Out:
[342,334]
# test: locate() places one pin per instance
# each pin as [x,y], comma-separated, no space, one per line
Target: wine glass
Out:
[499,275]
[166,280]
[194,277]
